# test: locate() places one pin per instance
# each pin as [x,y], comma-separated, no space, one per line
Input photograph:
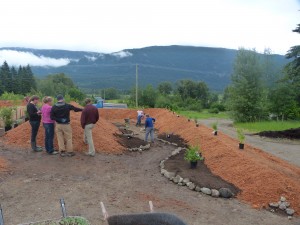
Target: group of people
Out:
[56,119]
[149,124]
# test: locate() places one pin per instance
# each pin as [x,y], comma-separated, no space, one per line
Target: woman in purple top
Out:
[48,125]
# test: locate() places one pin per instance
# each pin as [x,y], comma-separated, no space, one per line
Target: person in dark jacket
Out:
[89,117]
[60,112]
[34,120]
[149,126]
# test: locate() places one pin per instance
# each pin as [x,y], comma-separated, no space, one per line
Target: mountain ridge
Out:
[96,70]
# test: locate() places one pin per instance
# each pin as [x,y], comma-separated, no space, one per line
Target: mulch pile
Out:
[8,103]
[290,134]
[104,136]
[261,177]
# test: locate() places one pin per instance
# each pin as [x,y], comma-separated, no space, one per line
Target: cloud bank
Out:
[17,58]
[122,54]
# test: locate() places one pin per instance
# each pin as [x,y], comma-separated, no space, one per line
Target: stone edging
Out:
[283,205]
[140,149]
[222,192]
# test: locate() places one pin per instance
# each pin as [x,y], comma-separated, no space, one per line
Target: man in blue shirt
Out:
[149,126]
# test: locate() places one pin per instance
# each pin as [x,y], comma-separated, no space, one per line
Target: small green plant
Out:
[6,115]
[240,135]
[193,154]
[74,221]
[215,126]
[65,221]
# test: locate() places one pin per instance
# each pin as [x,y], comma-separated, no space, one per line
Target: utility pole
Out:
[136,85]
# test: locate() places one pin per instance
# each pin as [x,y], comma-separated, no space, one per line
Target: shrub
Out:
[6,114]
[193,154]
[213,110]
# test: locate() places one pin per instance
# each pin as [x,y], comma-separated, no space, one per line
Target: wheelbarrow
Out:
[151,218]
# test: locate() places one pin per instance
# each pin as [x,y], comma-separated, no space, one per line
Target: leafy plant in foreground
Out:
[193,154]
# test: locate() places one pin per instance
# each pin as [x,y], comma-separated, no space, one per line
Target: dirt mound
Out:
[290,134]
[104,136]
[261,177]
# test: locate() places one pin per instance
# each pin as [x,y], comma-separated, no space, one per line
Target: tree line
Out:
[18,81]
[23,82]
[257,93]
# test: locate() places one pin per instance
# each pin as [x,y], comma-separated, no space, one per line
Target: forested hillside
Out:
[155,64]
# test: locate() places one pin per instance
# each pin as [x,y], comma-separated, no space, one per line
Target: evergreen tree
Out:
[15,81]
[246,91]
[6,77]
[292,69]
[21,80]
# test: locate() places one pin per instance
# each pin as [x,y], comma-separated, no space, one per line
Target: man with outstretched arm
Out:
[60,112]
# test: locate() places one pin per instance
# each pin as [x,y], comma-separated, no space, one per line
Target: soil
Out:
[31,190]
[35,182]
[173,138]
[130,142]
[261,177]
[290,134]
[201,175]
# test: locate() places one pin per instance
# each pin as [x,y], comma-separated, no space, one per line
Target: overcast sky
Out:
[113,25]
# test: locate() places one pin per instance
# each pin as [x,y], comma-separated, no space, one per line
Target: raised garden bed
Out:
[290,134]
[173,138]
[200,176]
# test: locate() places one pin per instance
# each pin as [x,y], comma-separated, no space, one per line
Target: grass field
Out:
[268,125]
[203,115]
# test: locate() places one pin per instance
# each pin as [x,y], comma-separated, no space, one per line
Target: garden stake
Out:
[63,208]
[104,212]
[151,206]
[1,216]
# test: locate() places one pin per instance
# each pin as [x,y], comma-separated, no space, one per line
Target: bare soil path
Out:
[288,150]
[125,183]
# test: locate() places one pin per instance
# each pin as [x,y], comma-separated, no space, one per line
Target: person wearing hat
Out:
[89,117]
[60,112]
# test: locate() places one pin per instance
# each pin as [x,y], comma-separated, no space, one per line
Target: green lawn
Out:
[268,125]
[203,115]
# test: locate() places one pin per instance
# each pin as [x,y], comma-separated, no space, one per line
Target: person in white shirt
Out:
[139,117]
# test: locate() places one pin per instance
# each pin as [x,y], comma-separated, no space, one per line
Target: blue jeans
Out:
[149,130]
[139,120]
[49,136]
[35,125]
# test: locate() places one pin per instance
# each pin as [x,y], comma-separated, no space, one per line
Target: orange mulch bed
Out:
[8,103]
[261,177]
[104,136]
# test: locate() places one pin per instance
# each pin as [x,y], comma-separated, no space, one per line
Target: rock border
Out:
[180,181]
[140,149]
[283,205]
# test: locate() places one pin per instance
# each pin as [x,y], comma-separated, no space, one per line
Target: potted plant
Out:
[215,127]
[5,115]
[193,155]
[168,134]
[241,137]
